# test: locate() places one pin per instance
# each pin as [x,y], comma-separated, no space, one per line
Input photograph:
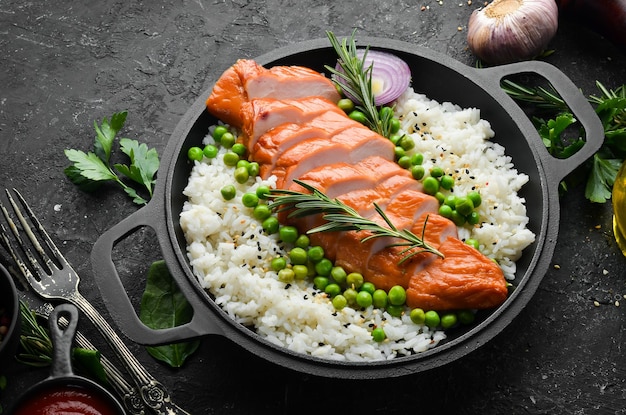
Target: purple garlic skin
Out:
[507,31]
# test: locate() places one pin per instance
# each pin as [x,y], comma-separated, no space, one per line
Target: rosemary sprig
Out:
[341,217]
[34,340]
[543,98]
[356,80]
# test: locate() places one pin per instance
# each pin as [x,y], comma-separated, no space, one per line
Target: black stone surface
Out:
[66,64]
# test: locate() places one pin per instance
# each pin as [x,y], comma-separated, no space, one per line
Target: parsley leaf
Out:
[600,181]
[89,170]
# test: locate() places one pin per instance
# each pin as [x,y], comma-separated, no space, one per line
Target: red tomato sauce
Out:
[59,400]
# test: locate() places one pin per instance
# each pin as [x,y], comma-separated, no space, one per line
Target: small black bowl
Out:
[9,308]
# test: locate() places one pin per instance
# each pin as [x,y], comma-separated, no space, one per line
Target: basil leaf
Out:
[164,306]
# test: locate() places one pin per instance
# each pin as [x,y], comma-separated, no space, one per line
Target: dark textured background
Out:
[66,64]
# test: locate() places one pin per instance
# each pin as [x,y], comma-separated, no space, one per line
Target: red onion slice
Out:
[391,75]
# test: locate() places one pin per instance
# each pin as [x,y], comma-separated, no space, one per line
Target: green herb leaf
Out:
[341,217]
[601,179]
[356,80]
[144,163]
[163,306]
[105,135]
[88,361]
[91,169]
[90,166]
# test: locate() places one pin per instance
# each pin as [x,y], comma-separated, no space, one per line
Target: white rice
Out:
[230,254]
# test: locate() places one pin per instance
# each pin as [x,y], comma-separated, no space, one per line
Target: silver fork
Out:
[61,283]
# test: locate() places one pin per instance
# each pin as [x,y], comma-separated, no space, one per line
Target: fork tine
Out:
[24,247]
[24,273]
[31,235]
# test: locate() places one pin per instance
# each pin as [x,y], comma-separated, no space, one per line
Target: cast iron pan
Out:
[440,78]
[61,374]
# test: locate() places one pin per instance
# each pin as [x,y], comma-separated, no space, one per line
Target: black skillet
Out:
[62,377]
[440,78]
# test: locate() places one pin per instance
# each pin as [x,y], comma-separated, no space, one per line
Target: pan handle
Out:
[116,298]
[573,97]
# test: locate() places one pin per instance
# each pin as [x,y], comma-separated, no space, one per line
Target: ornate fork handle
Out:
[153,393]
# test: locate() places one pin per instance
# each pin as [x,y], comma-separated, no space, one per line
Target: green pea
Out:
[399,152]
[379,298]
[338,274]
[316,253]
[397,295]
[339,302]
[350,295]
[320,283]
[298,256]
[227,140]
[473,218]
[231,159]
[436,171]
[447,182]
[466,316]
[195,154]
[210,151]
[417,172]
[241,175]
[278,263]
[445,211]
[432,319]
[404,162]
[464,205]
[369,287]
[407,143]
[332,289]
[346,105]
[385,112]
[261,212]
[242,163]
[239,149]
[364,299]
[395,139]
[286,275]
[219,131]
[448,320]
[323,267]
[441,198]
[475,197]
[228,192]
[473,243]
[250,200]
[254,169]
[395,310]
[417,159]
[303,241]
[354,280]
[270,225]
[378,334]
[288,234]
[430,185]
[394,125]
[263,191]
[358,116]
[450,201]
[417,316]
[457,218]
[300,271]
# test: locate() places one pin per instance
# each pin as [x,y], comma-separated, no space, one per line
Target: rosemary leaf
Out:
[356,81]
[342,218]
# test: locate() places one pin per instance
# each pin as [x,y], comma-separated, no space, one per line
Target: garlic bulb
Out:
[507,31]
